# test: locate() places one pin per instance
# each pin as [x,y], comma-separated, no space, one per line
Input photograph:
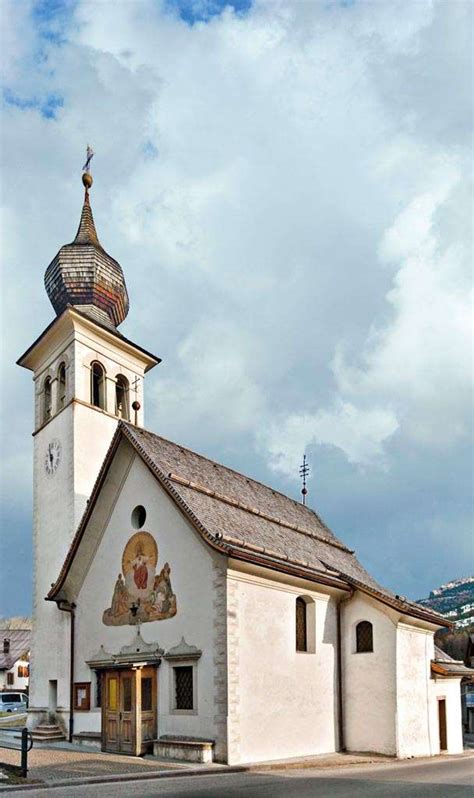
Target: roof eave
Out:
[405,609]
[463,672]
[288,568]
[27,358]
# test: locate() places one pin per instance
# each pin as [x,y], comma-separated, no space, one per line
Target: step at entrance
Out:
[47,733]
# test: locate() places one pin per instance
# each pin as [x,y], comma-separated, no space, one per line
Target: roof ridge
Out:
[254,511]
[234,471]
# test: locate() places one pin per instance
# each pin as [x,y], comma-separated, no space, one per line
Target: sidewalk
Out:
[64,761]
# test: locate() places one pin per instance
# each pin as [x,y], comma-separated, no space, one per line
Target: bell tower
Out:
[86,376]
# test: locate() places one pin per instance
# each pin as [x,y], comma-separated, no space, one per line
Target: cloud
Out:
[359,433]
[420,359]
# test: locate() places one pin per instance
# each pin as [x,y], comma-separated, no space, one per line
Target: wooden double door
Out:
[129,698]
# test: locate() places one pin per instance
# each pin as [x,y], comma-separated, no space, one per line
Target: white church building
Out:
[181,607]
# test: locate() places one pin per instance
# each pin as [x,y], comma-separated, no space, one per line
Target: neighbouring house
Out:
[452,676]
[190,609]
[15,642]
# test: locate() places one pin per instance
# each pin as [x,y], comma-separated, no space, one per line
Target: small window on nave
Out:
[364,637]
[47,408]
[301,625]
[61,386]
[98,385]
[122,397]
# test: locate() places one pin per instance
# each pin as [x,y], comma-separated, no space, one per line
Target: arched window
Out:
[47,399]
[301,625]
[61,386]
[364,637]
[121,397]
[98,385]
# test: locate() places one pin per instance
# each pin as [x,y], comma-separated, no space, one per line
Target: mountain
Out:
[455,600]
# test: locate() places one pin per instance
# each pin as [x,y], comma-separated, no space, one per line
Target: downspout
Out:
[70,608]
[340,710]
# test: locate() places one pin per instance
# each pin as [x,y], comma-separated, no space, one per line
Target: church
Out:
[182,608]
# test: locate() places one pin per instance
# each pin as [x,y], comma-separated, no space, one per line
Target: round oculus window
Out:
[138,516]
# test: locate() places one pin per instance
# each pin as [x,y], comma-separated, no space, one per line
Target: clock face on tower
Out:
[52,457]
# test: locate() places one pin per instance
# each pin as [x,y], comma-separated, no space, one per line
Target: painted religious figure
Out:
[140,594]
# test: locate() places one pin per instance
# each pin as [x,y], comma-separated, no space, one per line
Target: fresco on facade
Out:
[141,594]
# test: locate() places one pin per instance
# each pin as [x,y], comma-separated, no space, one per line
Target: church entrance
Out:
[129,710]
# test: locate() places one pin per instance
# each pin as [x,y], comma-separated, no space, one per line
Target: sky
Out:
[287,188]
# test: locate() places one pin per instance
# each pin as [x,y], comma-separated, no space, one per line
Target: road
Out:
[442,778]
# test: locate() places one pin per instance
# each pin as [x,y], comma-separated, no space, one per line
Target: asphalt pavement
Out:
[450,777]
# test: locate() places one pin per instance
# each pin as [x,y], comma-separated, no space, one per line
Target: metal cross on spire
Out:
[89,156]
[304,471]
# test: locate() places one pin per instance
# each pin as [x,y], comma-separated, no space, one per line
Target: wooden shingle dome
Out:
[84,275]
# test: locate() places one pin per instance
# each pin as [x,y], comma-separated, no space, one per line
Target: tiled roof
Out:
[86,232]
[19,645]
[82,273]
[247,513]
[444,665]
[246,520]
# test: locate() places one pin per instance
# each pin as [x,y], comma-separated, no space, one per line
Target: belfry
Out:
[182,608]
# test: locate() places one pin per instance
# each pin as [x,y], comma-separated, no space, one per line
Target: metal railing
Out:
[18,739]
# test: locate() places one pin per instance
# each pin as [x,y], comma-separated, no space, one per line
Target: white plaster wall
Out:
[451,690]
[93,432]
[369,682]
[415,649]
[191,563]
[53,519]
[59,502]
[282,702]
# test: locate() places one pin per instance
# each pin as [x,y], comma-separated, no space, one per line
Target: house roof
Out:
[246,520]
[19,645]
[444,665]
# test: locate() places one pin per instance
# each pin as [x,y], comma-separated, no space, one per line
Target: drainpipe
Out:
[70,608]
[340,709]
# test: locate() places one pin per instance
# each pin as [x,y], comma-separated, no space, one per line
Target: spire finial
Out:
[304,471]
[86,169]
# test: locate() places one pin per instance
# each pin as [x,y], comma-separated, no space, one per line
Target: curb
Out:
[124,777]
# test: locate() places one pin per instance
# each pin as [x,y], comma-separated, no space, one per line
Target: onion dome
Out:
[83,275]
